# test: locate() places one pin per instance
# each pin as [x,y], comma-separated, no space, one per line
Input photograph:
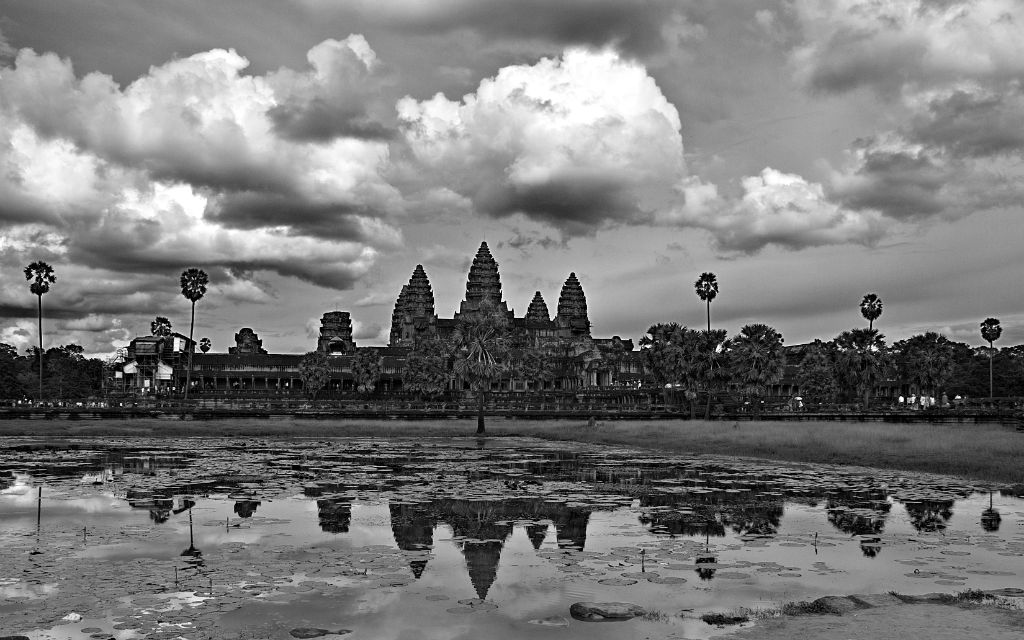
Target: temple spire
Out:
[414,307]
[538,309]
[483,283]
[572,308]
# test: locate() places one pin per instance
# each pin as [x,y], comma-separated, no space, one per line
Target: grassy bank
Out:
[981,452]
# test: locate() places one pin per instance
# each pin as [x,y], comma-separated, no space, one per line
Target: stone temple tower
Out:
[484,283]
[571,319]
[336,333]
[413,316]
[538,310]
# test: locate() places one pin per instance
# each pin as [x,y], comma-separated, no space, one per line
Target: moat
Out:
[269,538]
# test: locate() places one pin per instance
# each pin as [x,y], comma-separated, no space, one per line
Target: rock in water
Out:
[605,611]
[313,632]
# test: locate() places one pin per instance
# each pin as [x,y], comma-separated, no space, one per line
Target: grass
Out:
[986,452]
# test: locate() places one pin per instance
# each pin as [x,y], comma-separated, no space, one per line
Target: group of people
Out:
[915,402]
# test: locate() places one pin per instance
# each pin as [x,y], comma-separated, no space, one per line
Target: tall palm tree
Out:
[862,359]
[707,288]
[480,347]
[193,287]
[42,277]
[871,308]
[757,360]
[990,331]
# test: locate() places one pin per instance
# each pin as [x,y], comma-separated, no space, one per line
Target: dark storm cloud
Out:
[902,184]
[972,124]
[251,210]
[851,58]
[634,26]
[576,205]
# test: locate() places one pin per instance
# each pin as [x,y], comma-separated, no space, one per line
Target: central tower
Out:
[484,283]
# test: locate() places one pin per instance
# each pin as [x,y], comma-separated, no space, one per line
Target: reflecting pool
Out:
[449,538]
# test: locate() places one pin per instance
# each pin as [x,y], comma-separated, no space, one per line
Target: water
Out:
[249,538]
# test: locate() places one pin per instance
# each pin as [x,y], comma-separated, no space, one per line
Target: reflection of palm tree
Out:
[335,514]
[43,276]
[929,515]
[990,518]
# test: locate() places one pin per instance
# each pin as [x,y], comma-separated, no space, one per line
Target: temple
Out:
[575,359]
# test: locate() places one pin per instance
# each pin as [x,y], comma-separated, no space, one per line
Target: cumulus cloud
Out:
[200,121]
[337,97]
[780,209]
[574,142]
[949,74]
[890,45]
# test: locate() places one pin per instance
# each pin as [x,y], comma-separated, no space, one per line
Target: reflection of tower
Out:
[571,527]
[413,528]
[335,514]
[482,559]
[245,508]
[484,538]
[537,533]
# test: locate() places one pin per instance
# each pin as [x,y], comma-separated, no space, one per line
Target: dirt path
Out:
[894,619]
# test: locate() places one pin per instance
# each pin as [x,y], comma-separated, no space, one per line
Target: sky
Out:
[308,154]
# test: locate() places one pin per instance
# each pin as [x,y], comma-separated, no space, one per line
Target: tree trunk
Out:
[867,398]
[40,296]
[707,407]
[709,316]
[188,372]
[480,413]
[991,391]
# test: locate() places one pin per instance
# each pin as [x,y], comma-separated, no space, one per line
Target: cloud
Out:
[337,97]
[969,120]
[780,209]
[576,142]
[913,43]
[187,166]
[369,331]
[906,180]
[634,26]
[200,121]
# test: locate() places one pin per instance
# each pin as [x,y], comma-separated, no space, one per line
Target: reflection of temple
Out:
[335,514]
[245,508]
[481,529]
[413,527]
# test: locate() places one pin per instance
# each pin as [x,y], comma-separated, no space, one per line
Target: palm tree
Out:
[193,287]
[707,288]
[205,344]
[315,372]
[990,331]
[160,327]
[710,363]
[926,360]
[480,348]
[862,360]
[871,308]
[757,360]
[42,276]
